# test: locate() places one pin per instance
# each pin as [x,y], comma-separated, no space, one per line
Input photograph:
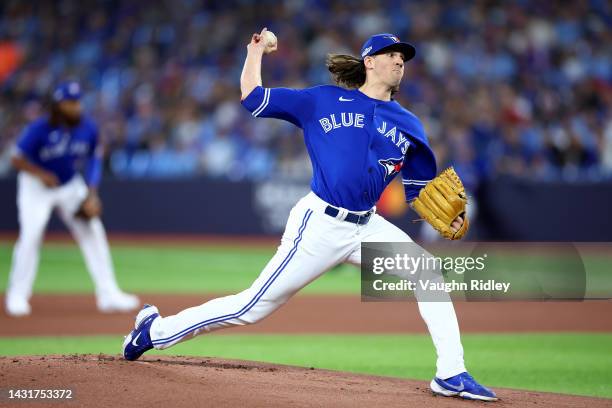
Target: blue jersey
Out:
[357,144]
[63,151]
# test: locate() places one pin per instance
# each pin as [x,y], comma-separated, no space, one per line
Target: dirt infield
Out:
[102,380]
[186,382]
[77,315]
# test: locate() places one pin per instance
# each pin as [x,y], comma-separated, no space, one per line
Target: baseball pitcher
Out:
[358,139]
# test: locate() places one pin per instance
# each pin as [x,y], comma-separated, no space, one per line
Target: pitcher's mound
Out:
[107,381]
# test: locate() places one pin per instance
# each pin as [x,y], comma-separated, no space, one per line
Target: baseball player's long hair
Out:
[55,116]
[346,70]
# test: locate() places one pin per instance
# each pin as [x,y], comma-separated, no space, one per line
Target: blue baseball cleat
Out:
[462,385]
[139,340]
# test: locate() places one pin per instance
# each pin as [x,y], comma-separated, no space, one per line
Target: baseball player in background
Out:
[358,139]
[48,156]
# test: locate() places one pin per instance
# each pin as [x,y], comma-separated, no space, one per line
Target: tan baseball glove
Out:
[441,201]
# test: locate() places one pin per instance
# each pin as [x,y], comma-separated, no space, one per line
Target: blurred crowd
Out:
[516,87]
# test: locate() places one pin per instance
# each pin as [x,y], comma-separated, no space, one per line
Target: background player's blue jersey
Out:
[357,144]
[63,151]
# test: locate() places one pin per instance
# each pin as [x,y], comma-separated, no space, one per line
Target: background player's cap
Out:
[70,90]
[379,42]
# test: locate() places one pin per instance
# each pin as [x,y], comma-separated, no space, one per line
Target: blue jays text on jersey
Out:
[63,150]
[357,144]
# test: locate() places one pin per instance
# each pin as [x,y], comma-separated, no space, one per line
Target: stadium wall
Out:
[508,209]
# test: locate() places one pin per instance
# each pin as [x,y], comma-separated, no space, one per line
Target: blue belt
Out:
[360,219]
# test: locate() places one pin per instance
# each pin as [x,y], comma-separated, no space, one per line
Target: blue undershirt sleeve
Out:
[93,171]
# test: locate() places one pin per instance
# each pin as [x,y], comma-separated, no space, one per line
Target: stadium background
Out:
[516,95]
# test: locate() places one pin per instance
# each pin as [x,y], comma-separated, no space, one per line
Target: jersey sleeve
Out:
[412,184]
[420,163]
[93,171]
[28,142]
[292,105]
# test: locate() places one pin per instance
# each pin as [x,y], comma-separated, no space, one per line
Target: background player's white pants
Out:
[35,202]
[313,242]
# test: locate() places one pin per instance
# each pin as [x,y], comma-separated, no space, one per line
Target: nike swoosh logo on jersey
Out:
[456,387]
[134,342]
[342,99]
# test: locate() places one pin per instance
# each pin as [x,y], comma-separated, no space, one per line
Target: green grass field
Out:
[210,269]
[567,363]
[172,269]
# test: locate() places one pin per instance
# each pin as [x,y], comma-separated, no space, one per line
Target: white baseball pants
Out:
[312,243]
[35,202]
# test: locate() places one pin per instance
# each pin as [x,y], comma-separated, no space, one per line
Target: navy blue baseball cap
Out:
[70,90]
[379,42]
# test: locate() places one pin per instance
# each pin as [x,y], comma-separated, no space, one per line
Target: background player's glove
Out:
[91,207]
[441,201]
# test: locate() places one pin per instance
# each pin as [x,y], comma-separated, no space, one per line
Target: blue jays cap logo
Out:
[391,166]
[380,42]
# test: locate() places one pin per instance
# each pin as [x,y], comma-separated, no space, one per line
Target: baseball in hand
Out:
[270,41]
